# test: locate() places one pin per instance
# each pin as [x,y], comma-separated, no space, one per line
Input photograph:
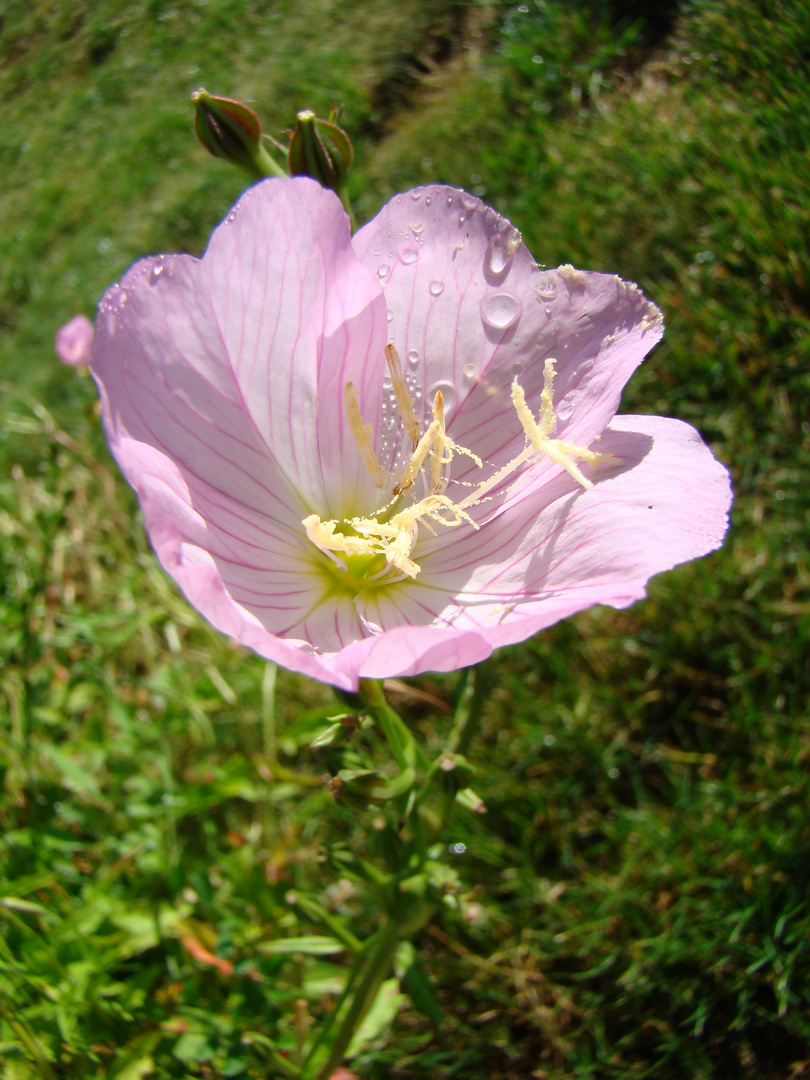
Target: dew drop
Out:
[470,372]
[449,200]
[498,255]
[516,369]
[545,286]
[436,288]
[500,310]
[462,217]
[413,357]
[382,271]
[155,273]
[416,195]
[232,216]
[390,316]
[428,200]
[564,411]
[408,255]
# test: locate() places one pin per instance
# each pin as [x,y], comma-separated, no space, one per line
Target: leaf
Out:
[314,945]
[13,903]
[386,1005]
[193,1046]
[417,986]
[136,1070]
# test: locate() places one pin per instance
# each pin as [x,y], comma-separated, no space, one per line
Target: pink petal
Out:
[451,279]
[222,379]
[566,549]
[74,341]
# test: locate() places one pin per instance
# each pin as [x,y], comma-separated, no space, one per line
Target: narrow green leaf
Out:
[314,945]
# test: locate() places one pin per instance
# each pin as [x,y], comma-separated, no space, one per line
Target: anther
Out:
[404,403]
[362,435]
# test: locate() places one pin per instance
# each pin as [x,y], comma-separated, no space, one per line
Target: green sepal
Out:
[467,798]
[367,786]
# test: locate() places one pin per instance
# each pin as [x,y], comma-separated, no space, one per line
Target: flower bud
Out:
[230,130]
[322,150]
[74,342]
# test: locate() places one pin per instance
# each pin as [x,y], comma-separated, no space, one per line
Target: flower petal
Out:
[472,311]
[298,319]
[564,549]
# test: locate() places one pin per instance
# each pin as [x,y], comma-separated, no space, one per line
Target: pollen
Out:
[378,549]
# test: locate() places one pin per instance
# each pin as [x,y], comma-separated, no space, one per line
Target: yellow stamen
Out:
[562,453]
[404,403]
[363,434]
[369,542]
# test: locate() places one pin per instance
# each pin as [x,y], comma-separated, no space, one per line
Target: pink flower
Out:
[74,341]
[352,511]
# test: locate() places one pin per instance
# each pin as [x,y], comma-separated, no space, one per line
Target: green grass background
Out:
[635,901]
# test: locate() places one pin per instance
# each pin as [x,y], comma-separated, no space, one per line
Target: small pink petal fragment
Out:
[74,342]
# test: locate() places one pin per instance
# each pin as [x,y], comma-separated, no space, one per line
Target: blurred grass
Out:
[637,896]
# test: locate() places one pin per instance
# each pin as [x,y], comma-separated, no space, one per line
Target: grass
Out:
[635,901]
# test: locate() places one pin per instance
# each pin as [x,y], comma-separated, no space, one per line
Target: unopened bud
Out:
[230,130]
[322,150]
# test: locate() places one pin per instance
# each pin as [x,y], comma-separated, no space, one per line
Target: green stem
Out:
[392,725]
[266,165]
[466,722]
[375,971]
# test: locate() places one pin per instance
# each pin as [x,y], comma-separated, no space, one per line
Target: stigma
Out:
[379,549]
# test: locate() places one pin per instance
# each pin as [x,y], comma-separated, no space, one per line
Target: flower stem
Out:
[375,970]
[392,725]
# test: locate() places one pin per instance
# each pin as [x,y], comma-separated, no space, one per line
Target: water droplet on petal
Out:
[417,228]
[564,410]
[436,288]
[382,271]
[408,255]
[516,369]
[500,310]
[470,372]
[449,200]
[415,195]
[413,357]
[498,255]
[390,315]
[156,271]
[545,286]
[428,200]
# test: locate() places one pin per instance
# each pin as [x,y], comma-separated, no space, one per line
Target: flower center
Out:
[379,549]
